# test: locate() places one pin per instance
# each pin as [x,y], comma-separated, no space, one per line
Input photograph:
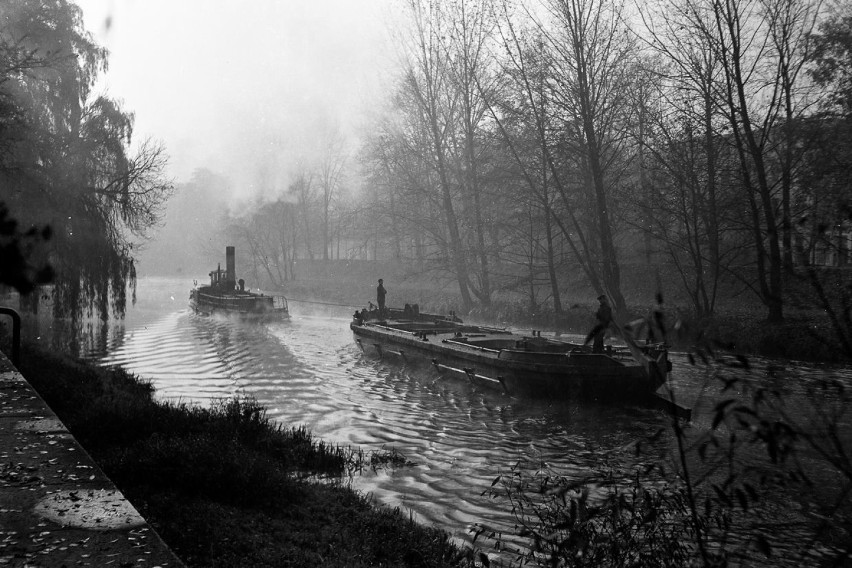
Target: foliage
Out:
[769,457]
[66,157]
[563,524]
[17,250]
[832,60]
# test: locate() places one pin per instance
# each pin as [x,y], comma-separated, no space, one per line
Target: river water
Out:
[309,371]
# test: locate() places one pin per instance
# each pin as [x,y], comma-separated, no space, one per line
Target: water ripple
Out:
[310,371]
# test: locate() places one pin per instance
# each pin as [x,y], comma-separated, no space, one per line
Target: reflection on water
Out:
[309,371]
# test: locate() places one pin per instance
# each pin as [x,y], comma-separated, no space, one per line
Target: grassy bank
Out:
[224,486]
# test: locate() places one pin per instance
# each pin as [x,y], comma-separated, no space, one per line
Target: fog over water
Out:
[239,87]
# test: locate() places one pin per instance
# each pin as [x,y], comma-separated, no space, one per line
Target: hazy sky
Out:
[237,86]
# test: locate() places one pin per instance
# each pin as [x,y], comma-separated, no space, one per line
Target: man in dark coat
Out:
[604,317]
[380,297]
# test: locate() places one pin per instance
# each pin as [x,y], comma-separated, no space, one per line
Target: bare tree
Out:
[591,59]
[471,23]
[790,26]
[332,159]
[684,145]
[426,80]
[304,195]
[405,209]
[529,125]
[752,53]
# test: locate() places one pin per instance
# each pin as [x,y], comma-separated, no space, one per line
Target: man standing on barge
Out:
[380,297]
[604,317]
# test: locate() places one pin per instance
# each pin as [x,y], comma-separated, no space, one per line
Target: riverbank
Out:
[226,487]
[58,508]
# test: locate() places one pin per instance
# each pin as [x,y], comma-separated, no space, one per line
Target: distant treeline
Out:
[527,150]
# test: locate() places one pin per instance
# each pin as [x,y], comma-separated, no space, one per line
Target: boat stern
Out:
[658,366]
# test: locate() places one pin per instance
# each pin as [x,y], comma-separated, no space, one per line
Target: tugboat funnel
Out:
[231,268]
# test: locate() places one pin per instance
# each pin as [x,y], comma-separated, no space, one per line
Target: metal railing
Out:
[16,333]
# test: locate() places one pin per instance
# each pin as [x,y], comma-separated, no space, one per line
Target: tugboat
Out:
[227,295]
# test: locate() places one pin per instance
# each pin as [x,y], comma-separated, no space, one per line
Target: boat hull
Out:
[516,364]
[244,305]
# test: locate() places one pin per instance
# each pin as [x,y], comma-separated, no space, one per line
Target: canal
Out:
[457,437]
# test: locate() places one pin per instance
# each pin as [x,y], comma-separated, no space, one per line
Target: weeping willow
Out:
[67,158]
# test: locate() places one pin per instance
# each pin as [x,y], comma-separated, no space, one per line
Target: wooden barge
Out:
[512,362]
